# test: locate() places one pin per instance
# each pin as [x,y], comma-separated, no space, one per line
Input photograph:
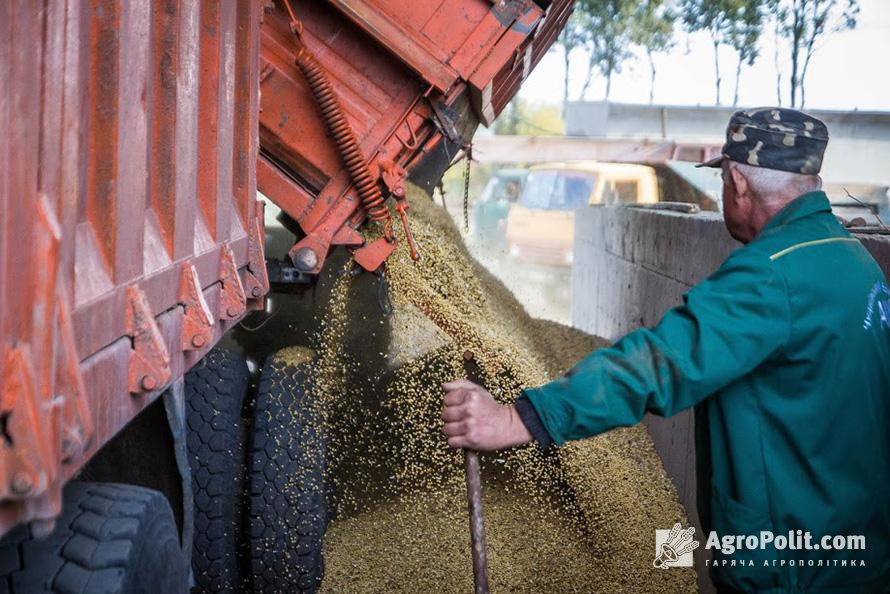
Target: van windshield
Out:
[557,190]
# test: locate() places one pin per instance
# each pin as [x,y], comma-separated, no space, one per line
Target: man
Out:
[785,353]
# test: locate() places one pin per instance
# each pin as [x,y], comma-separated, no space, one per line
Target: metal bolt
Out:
[255,292]
[72,442]
[198,341]
[21,483]
[306,259]
[232,311]
[149,382]
[68,449]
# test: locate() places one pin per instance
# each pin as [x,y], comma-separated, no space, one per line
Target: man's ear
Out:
[740,182]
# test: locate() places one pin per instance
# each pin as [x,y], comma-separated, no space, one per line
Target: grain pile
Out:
[577,519]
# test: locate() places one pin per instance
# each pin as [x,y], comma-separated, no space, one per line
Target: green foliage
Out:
[803,23]
[712,16]
[748,21]
[747,26]
[607,31]
[652,29]
[736,23]
[575,36]
[611,24]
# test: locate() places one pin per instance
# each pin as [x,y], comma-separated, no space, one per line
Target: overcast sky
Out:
[851,70]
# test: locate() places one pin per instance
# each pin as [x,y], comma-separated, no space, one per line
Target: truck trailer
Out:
[137,136]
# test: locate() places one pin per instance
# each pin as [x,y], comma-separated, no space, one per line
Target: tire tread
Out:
[96,546]
[215,390]
[287,517]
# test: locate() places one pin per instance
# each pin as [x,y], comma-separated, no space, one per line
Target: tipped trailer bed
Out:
[136,135]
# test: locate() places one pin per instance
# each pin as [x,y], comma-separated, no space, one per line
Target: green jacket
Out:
[785,353]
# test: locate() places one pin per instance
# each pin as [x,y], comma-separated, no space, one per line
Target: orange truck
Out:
[136,135]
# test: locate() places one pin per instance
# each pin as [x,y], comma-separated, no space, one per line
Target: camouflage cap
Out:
[774,138]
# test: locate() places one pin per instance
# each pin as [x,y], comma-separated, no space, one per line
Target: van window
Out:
[556,190]
[627,191]
[500,189]
[621,192]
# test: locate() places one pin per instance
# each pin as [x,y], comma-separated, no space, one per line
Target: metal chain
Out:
[469,158]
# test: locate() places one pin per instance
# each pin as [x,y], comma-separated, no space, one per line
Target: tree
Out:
[717,18]
[575,35]
[744,35]
[653,29]
[610,24]
[802,23]
[778,20]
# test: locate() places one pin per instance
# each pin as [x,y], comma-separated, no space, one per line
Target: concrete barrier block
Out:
[631,265]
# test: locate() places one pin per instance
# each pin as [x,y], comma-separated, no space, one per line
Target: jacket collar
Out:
[802,206]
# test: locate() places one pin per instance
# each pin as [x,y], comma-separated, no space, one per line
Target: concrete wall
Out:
[631,265]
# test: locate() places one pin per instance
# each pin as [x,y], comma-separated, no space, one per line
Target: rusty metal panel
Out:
[408,78]
[496,80]
[130,235]
[391,27]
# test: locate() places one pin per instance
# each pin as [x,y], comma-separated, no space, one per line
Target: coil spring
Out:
[326,98]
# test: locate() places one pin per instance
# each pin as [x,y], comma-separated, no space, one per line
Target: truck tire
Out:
[214,394]
[288,503]
[109,538]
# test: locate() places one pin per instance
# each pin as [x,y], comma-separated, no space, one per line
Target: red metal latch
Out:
[373,255]
[394,177]
[256,278]
[25,454]
[197,321]
[232,300]
[149,360]
[77,421]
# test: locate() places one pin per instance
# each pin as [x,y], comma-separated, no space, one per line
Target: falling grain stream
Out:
[580,518]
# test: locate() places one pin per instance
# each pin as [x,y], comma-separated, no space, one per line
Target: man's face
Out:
[736,208]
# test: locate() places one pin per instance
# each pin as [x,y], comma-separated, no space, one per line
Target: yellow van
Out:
[541,224]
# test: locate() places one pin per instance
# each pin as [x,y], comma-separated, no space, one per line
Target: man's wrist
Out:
[519,433]
[532,422]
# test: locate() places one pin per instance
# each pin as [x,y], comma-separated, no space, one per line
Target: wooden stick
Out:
[477,521]
[474,498]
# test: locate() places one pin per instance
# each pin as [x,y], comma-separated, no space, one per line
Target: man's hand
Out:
[474,420]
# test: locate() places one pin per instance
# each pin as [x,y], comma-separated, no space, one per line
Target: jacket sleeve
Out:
[729,324]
